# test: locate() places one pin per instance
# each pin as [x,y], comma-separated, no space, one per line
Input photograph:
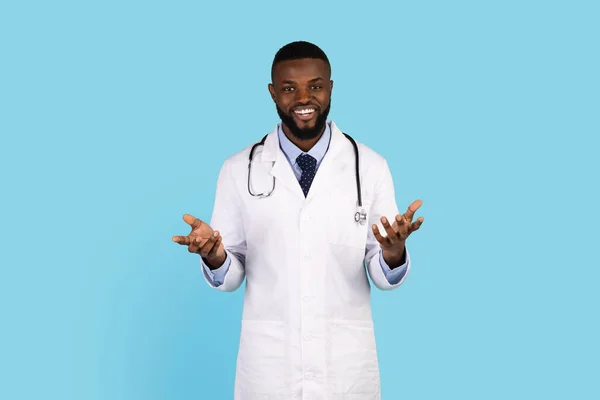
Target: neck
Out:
[303,144]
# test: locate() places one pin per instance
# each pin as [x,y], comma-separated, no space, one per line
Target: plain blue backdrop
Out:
[115,117]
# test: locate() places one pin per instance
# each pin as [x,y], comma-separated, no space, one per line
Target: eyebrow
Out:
[310,81]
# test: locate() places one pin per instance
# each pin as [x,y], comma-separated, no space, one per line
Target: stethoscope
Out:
[360,216]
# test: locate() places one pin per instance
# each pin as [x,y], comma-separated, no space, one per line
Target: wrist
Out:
[215,262]
[395,258]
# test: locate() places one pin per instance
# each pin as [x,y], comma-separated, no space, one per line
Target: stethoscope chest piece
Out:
[361,217]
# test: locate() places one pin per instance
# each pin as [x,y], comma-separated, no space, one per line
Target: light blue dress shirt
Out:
[292,152]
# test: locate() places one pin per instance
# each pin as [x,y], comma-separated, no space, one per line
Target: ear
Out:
[272,91]
[331,85]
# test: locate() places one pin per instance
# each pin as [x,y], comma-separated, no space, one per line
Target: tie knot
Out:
[307,162]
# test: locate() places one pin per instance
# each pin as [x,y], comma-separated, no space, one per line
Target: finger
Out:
[389,230]
[410,212]
[200,242]
[186,240]
[192,221]
[400,223]
[195,243]
[417,224]
[209,244]
[382,240]
[215,248]
[193,246]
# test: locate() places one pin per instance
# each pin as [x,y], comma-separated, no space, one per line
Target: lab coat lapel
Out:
[282,170]
[334,163]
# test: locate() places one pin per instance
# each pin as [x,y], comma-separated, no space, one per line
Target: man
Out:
[307,330]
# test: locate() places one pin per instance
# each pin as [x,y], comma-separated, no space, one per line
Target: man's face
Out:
[301,90]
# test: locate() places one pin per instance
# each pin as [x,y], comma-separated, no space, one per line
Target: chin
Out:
[306,124]
[301,129]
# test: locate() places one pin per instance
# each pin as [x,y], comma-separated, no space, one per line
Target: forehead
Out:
[301,70]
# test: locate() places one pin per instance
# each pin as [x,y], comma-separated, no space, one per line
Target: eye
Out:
[288,89]
[316,87]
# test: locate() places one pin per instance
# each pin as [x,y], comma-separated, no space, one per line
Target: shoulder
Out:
[239,160]
[370,154]
[371,162]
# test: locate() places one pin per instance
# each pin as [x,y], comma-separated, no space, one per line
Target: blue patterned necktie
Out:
[308,165]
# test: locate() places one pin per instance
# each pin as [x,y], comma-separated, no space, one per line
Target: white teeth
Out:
[306,111]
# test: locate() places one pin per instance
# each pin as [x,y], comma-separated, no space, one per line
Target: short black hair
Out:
[298,50]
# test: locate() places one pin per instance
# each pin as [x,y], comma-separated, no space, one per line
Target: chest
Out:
[325,215]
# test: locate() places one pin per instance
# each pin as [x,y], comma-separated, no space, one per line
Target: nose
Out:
[303,96]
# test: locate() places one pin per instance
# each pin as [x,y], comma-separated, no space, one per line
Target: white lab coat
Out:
[307,330]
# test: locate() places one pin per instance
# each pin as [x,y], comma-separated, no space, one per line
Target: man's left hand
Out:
[396,233]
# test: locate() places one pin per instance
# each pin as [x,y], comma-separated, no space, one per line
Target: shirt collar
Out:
[292,152]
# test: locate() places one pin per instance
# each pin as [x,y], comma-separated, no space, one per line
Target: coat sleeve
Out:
[384,204]
[226,218]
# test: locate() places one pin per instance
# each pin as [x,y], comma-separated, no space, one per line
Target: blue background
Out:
[115,118]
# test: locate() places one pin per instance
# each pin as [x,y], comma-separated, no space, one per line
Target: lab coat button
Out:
[306,217]
[306,337]
[308,375]
[306,298]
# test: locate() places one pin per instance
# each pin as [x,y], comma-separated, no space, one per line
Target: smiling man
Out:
[306,232]
[302,95]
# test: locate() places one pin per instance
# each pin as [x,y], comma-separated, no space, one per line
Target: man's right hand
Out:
[203,240]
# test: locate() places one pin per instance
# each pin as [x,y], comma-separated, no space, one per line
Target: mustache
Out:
[304,134]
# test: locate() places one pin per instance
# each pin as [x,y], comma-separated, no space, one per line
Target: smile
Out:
[304,113]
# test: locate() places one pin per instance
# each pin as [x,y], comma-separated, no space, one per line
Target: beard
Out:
[304,133]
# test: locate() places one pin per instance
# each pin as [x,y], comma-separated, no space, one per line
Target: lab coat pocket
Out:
[353,359]
[343,229]
[261,359]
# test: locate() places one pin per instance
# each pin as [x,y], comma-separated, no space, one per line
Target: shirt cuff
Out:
[395,275]
[217,276]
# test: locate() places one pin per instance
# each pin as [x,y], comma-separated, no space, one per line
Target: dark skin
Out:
[307,82]
[393,245]
[301,84]
[203,240]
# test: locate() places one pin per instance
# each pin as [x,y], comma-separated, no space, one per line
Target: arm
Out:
[396,275]
[226,218]
[216,277]
[384,205]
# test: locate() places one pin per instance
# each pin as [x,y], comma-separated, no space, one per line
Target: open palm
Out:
[203,240]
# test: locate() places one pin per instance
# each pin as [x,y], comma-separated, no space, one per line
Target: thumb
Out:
[194,222]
